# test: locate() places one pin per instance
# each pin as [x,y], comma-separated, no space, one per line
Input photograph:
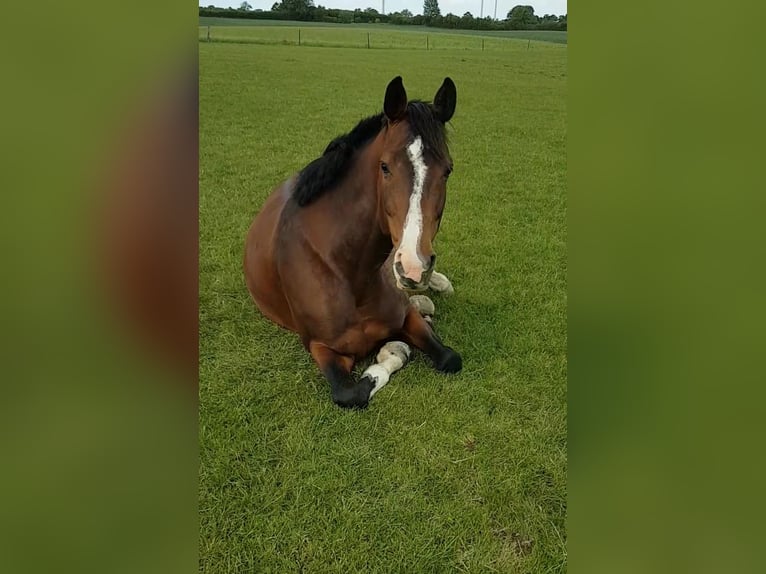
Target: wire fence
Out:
[356,38]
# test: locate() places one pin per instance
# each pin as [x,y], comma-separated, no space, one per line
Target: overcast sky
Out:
[459,7]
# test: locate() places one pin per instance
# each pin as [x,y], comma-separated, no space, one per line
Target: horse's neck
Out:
[369,244]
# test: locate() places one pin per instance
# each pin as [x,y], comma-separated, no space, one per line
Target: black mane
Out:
[328,169]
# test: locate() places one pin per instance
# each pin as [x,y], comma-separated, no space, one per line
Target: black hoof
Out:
[353,395]
[449,362]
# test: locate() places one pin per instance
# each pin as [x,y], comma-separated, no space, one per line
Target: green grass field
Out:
[441,473]
[388,35]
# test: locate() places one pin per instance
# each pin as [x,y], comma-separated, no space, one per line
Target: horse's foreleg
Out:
[418,333]
[346,392]
[392,357]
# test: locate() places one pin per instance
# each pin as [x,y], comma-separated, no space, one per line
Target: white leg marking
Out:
[392,357]
[423,304]
[440,284]
[413,222]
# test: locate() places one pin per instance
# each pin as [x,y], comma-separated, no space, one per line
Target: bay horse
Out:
[315,255]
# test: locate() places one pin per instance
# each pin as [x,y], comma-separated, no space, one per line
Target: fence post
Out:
[299,36]
[426,41]
[368,40]
[528,44]
[482,44]
[208,33]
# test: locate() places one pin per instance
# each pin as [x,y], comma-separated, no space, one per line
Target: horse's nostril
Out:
[399,268]
[432,261]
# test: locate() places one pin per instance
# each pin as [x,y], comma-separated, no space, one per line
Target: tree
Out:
[431,10]
[451,21]
[522,18]
[548,22]
[295,9]
[403,17]
[245,6]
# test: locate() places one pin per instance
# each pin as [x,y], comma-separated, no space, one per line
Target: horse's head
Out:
[412,178]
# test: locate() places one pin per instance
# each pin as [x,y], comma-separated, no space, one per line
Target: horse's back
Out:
[261,272]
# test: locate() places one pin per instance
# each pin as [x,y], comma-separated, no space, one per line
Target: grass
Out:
[224,25]
[441,473]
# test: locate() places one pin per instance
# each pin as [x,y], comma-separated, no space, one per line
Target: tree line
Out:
[518,18]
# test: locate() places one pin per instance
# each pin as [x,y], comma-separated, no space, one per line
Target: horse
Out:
[316,254]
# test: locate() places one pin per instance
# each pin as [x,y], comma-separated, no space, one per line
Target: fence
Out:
[355,38]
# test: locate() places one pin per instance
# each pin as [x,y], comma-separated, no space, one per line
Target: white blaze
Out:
[413,223]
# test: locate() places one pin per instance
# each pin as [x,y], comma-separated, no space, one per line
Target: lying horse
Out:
[315,255]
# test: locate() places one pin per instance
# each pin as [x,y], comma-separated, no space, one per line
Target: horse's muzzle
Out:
[405,282]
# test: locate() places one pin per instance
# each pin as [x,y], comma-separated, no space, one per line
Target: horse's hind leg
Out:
[346,392]
[418,333]
[392,357]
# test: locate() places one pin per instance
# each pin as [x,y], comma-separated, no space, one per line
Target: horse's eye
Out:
[447,172]
[384,168]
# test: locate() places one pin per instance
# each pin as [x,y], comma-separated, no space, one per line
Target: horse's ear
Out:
[395,104]
[445,100]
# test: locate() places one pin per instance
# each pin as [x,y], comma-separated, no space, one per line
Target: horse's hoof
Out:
[423,304]
[449,362]
[350,401]
[439,283]
[355,395]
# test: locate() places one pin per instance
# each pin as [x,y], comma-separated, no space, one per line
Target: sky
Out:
[459,7]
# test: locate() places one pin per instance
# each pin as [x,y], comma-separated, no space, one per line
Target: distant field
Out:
[463,473]
[380,36]
[557,37]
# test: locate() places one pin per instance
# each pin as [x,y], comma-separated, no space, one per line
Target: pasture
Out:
[356,35]
[258,26]
[441,473]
